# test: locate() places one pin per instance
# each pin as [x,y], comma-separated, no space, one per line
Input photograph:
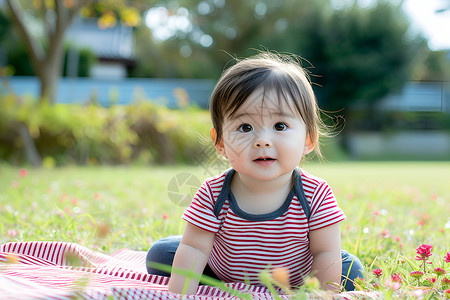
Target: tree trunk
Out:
[48,75]
[46,61]
[30,147]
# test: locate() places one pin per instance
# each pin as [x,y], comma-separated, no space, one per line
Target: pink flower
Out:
[385,233]
[418,293]
[12,233]
[416,274]
[23,173]
[439,271]
[378,272]
[447,294]
[396,278]
[391,284]
[431,280]
[445,281]
[447,257]
[424,252]
[165,216]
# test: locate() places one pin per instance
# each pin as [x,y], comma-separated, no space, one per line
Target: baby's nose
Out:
[262,141]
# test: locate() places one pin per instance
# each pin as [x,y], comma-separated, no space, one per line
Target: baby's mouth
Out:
[264,159]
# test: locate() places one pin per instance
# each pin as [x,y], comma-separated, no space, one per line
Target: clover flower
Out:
[439,271]
[431,280]
[416,274]
[396,278]
[23,173]
[378,272]
[447,257]
[445,281]
[424,252]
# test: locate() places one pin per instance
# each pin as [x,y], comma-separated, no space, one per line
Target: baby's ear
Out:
[309,146]
[219,145]
[213,134]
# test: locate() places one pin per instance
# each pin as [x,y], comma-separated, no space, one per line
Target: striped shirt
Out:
[246,244]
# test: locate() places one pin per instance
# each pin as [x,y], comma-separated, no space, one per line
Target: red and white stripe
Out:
[244,248]
[41,270]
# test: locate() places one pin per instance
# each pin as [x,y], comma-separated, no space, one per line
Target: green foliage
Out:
[4,25]
[18,59]
[13,49]
[86,59]
[433,66]
[71,133]
[362,54]
[20,62]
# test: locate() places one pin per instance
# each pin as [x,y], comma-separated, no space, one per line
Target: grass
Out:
[392,208]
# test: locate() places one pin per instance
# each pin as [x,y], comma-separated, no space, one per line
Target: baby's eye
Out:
[280,126]
[245,128]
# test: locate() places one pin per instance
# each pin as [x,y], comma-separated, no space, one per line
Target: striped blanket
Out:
[58,270]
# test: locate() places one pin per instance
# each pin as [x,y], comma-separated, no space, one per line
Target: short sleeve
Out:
[324,208]
[201,210]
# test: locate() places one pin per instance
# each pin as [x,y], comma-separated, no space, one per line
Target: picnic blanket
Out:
[58,270]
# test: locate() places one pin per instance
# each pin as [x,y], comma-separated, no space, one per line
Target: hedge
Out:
[64,134]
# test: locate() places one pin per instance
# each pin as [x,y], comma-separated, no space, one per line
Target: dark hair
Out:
[277,72]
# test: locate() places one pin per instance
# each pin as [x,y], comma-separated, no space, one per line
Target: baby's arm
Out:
[192,254]
[325,244]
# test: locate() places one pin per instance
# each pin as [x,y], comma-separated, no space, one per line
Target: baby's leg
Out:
[163,252]
[351,269]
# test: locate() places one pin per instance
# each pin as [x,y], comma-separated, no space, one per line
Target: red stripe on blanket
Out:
[42,270]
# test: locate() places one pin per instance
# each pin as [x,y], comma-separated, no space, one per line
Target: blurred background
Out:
[127,82]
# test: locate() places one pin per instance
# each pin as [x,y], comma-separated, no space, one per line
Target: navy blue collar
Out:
[226,193]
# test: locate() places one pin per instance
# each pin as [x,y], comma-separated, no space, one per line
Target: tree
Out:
[46,51]
[433,66]
[218,31]
[55,16]
[242,28]
[362,55]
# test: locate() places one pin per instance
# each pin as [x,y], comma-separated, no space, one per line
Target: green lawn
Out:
[391,207]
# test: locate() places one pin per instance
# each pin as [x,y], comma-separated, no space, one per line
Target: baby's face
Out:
[266,138]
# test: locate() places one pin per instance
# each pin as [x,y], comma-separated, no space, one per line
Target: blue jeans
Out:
[163,252]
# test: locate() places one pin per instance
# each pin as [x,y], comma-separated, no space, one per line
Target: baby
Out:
[264,212]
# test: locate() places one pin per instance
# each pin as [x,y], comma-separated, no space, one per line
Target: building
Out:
[114,47]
